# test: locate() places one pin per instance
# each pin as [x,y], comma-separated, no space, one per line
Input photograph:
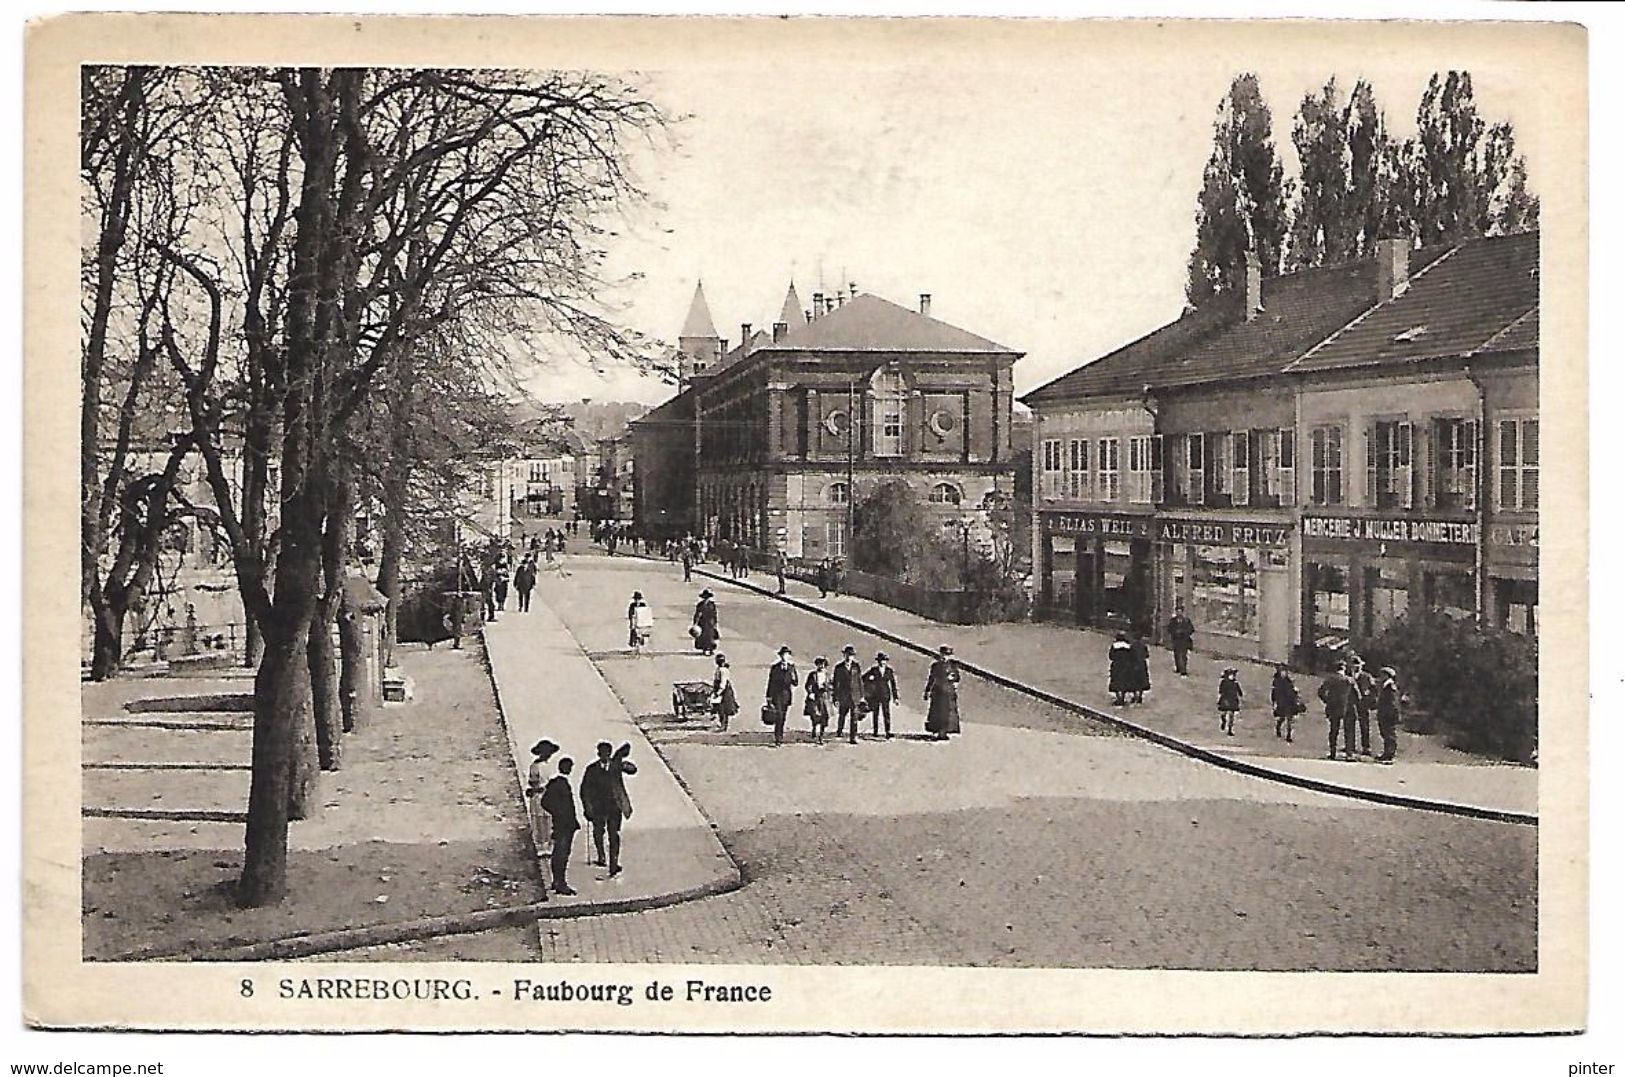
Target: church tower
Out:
[699,343]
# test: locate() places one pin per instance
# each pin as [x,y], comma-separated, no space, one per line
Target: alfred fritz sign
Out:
[1169,530]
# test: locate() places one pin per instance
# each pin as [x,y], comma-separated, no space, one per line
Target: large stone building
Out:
[791,420]
[1298,464]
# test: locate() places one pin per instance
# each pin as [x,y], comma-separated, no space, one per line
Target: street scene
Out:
[506,539]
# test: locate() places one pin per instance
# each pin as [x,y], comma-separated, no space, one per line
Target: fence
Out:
[960,607]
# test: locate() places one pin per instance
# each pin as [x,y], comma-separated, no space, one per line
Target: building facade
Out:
[1297,465]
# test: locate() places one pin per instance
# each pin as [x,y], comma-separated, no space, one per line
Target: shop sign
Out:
[1390,529]
[1092,523]
[1514,535]
[1222,533]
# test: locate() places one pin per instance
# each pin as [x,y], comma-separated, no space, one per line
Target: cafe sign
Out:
[1390,529]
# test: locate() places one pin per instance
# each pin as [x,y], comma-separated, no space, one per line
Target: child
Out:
[1229,701]
[1284,698]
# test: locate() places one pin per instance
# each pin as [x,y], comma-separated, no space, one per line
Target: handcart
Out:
[690,697]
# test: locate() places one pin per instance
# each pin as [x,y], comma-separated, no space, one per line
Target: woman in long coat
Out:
[1120,676]
[1141,680]
[705,619]
[942,696]
[818,687]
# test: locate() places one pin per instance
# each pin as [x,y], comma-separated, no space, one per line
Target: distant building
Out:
[793,422]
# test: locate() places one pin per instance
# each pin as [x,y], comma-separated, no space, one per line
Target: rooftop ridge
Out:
[1369,311]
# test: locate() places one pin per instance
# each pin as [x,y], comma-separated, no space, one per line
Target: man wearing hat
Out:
[848,690]
[781,690]
[535,784]
[879,689]
[1387,713]
[1365,694]
[942,694]
[1337,692]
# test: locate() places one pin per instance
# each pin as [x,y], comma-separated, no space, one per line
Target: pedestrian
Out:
[705,619]
[501,584]
[1229,700]
[824,582]
[1120,677]
[1337,692]
[640,620]
[488,591]
[535,785]
[1285,702]
[879,690]
[818,688]
[724,703]
[837,568]
[1365,697]
[780,563]
[1387,713]
[848,682]
[781,687]
[942,695]
[524,581]
[604,800]
[688,563]
[560,804]
[1140,668]
[1181,634]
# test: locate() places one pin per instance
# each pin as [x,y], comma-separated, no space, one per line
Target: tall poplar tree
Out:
[1243,202]
[1467,178]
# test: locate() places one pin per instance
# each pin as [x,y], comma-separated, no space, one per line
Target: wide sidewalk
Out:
[548,687]
[1071,662]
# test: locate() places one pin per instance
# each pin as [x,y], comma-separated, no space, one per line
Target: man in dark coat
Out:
[1365,696]
[560,805]
[1181,635]
[781,691]
[524,581]
[605,802]
[879,690]
[942,695]
[848,691]
[1388,713]
[1140,678]
[780,563]
[1337,692]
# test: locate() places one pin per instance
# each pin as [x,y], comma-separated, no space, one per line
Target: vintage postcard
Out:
[806,525]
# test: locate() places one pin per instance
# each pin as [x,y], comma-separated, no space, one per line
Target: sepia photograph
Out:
[711,523]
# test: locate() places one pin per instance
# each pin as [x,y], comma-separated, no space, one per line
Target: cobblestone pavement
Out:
[1027,842]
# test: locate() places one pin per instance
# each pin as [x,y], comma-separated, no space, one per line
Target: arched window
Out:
[887,391]
[836,493]
[945,493]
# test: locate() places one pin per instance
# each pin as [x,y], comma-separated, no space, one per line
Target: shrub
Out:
[1480,684]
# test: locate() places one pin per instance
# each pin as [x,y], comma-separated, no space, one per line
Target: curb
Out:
[1185,748]
[327,942]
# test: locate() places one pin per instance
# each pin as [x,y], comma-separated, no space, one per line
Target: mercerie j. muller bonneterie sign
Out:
[1391,529]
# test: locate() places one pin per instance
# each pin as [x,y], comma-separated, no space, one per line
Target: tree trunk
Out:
[109,640]
[253,642]
[304,771]
[354,693]
[389,584]
[324,696]
[281,690]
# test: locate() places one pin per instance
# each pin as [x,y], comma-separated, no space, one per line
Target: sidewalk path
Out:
[547,687]
[1070,663]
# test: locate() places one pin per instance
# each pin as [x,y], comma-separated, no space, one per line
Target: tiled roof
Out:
[869,323]
[1481,291]
[678,409]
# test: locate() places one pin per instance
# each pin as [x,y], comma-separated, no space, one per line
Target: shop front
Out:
[1097,569]
[1233,580]
[1363,573]
[1513,601]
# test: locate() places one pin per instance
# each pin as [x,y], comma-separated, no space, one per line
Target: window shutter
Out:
[1241,446]
[1468,432]
[1508,461]
[1372,493]
[1286,454]
[1406,448]
[1198,469]
[1156,469]
[1529,480]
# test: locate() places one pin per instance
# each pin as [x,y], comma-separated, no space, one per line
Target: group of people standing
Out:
[848,691]
[605,804]
[1351,694]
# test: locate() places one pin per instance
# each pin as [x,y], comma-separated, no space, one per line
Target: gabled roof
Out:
[1213,343]
[1482,295]
[698,323]
[679,408]
[791,312]
[868,323]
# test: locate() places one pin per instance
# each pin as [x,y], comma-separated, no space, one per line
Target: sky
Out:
[1042,193]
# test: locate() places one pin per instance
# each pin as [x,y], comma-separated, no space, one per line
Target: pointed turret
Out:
[698,340]
[792,313]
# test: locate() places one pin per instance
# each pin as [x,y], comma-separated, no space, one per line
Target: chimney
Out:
[840,299]
[779,329]
[744,334]
[925,304]
[808,314]
[818,304]
[1253,294]
[1393,268]
[853,286]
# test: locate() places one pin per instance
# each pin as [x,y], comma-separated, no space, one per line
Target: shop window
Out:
[1142,469]
[1517,606]
[1387,597]
[944,493]
[1224,591]
[1329,607]
[1449,593]
[1106,469]
[1050,473]
[1326,465]
[1518,461]
[1120,582]
[1077,469]
[887,391]
[1388,464]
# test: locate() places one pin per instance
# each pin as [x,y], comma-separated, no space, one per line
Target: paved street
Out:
[1032,840]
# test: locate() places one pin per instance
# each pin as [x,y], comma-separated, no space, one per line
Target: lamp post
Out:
[851,421]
